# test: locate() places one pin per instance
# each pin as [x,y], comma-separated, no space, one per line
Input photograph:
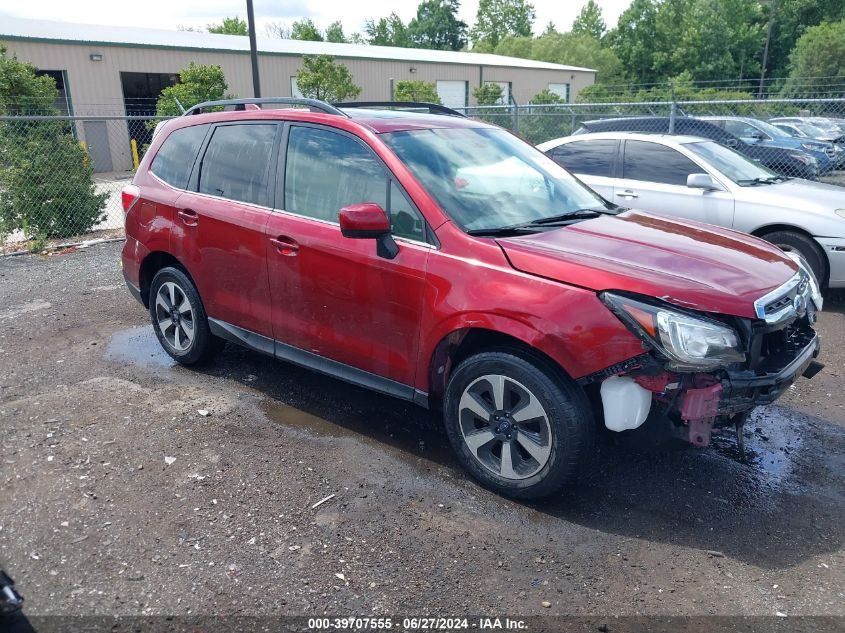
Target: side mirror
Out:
[757,135]
[702,181]
[732,142]
[369,221]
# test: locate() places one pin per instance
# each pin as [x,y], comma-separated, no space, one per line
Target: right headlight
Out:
[689,342]
[804,158]
[840,213]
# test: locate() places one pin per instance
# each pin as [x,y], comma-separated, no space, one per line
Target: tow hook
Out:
[699,409]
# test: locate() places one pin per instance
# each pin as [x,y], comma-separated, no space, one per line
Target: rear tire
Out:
[520,427]
[179,319]
[805,247]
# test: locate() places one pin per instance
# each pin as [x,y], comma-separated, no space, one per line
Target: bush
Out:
[46,187]
[197,83]
[416,90]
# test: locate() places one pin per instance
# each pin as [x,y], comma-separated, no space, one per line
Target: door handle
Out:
[189,217]
[628,194]
[285,245]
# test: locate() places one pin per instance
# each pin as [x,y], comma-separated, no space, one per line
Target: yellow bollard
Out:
[134,145]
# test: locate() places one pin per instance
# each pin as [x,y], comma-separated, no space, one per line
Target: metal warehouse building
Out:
[106,70]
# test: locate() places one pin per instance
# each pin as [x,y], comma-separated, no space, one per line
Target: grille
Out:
[778,304]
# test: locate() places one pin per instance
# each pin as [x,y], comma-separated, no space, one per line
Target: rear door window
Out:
[651,162]
[236,164]
[177,154]
[594,158]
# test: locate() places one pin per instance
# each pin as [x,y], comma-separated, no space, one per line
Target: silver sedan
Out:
[695,178]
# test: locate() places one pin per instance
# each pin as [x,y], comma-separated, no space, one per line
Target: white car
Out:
[695,178]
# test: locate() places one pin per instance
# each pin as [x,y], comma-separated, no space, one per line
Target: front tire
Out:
[519,427]
[803,246]
[179,319]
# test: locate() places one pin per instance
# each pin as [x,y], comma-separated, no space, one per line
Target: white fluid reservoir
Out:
[626,404]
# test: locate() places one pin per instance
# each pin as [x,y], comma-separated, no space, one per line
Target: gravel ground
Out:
[119,498]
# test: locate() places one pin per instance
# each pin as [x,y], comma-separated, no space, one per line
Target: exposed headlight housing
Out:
[688,342]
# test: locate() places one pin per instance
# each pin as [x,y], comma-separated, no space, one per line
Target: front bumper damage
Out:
[698,403]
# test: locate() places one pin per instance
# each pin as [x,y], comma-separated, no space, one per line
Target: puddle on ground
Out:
[406,440]
[773,436]
[138,346]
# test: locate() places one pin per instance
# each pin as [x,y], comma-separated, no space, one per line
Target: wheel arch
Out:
[763,231]
[152,263]
[462,342]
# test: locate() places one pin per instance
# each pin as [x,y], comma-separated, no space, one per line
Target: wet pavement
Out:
[119,497]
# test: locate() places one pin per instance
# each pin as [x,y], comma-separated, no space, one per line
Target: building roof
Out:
[71,33]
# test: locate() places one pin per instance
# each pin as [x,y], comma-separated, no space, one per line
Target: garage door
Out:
[453,94]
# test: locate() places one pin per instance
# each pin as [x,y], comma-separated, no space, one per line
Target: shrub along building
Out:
[106,70]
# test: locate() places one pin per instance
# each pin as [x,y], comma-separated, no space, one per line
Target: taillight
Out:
[129,196]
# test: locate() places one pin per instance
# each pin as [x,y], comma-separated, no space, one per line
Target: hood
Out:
[690,264]
[806,195]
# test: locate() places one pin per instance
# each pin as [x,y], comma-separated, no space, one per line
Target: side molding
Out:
[317,363]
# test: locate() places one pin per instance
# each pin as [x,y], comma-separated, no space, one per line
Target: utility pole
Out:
[766,49]
[253,51]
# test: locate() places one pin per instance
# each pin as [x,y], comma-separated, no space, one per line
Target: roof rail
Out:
[433,108]
[241,104]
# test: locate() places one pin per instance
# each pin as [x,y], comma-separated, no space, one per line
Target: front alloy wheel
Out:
[505,427]
[517,423]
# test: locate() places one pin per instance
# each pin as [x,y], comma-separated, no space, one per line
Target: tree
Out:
[230,26]
[279,30]
[416,90]
[334,33]
[197,83]
[819,52]
[567,48]
[389,31]
[488,94]
[321,78]
[633,39]
[305,29]
[590,21]
[497,19]
[46,186]
[436,26]
[792,19]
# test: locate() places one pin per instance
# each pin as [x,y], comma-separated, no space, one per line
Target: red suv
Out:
[445,261]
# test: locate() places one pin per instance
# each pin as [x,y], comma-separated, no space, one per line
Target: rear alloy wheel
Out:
[517,426]
[179,320]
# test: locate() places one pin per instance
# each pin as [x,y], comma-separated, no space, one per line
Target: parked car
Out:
[756,132]
[833,128]
[698,179]
[801,129]
[344,240]
[790,163]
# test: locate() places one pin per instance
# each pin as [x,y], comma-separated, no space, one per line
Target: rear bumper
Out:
[134,290]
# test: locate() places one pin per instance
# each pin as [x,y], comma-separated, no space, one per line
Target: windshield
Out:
[733,165]
[487,178]
[810,130]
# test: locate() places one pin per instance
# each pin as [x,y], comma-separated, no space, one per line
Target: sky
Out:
[170,14]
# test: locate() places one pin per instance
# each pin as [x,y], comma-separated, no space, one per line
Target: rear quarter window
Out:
[177,153]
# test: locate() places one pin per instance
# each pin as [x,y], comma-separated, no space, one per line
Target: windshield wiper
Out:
[538,225]
[578,214]
[769,180]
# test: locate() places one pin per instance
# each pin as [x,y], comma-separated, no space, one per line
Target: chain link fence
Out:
[61,176]
[796,138]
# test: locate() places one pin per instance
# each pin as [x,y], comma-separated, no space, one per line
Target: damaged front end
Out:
[704,372]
